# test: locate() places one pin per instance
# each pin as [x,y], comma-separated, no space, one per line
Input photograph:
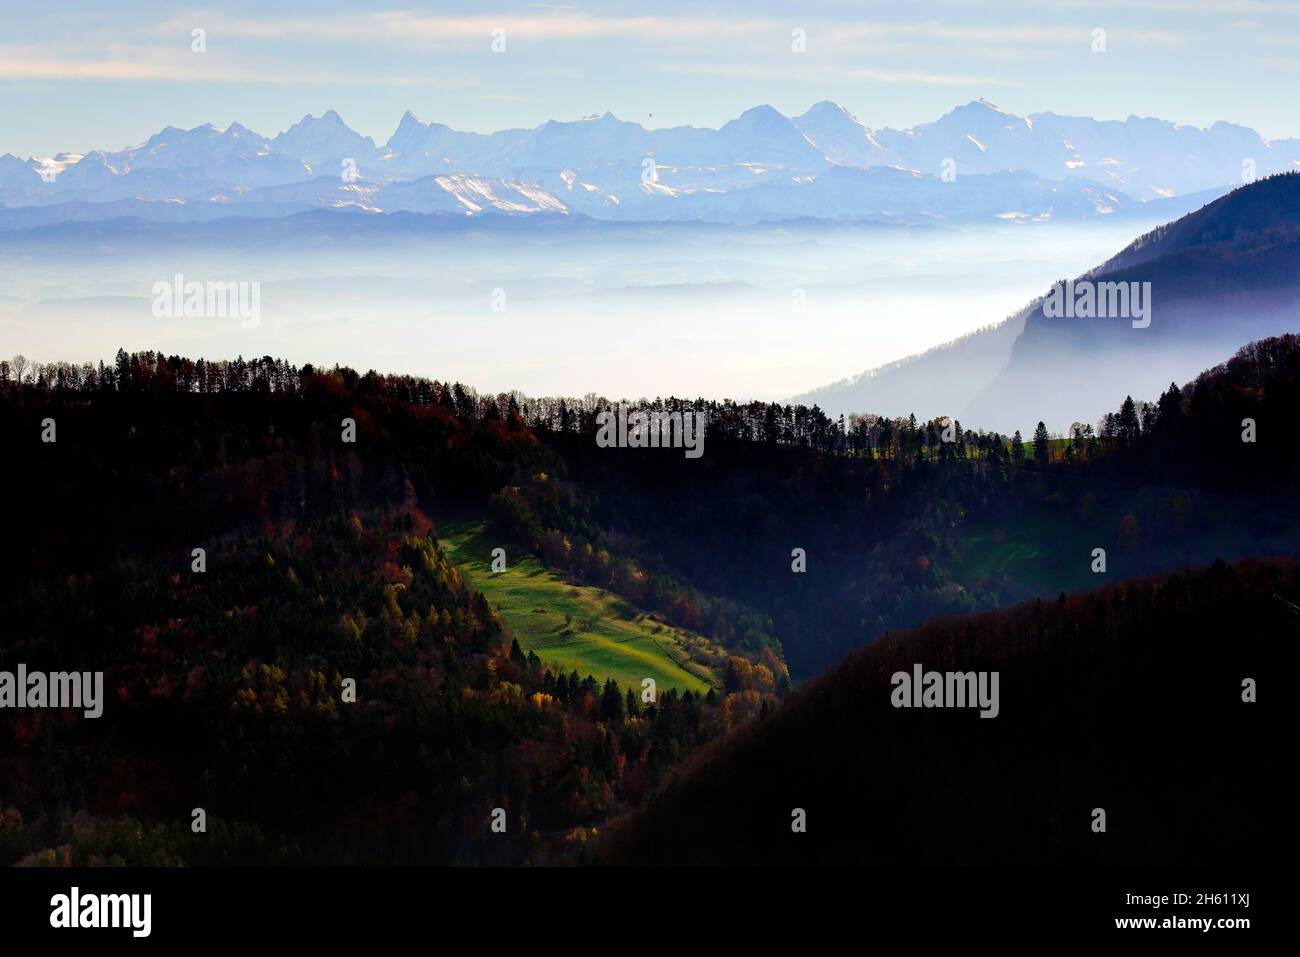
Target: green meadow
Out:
[573,626]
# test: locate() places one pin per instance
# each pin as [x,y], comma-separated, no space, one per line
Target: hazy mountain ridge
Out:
[761,165]
[1221,276]
[940,378]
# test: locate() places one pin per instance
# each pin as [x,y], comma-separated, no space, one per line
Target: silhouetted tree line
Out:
[771,423]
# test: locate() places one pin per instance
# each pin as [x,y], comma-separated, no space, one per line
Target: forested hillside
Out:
[1131,700]
[285,643]
[899,525]
[246,550]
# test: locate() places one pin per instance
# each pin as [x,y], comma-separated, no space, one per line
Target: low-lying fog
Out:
[764,311]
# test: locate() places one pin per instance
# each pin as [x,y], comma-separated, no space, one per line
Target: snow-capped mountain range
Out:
[975,163]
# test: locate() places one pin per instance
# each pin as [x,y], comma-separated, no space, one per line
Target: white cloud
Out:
[155,62]
[816,72]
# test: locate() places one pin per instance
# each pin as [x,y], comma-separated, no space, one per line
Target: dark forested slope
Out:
[1128,700]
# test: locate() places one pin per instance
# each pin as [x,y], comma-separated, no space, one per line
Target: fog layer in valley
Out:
[556,307]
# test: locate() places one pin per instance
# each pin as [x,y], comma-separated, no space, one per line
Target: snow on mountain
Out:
[438,193]
[323,141]
[1147,158]
[332,192]
[764,135]
[890,194]
[559,144]
[978,138]
[235,156]
[418,149]
[842,138]
[761,165]
[460,193]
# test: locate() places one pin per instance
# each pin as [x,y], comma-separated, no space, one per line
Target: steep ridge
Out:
[1217,278]
[1221,275]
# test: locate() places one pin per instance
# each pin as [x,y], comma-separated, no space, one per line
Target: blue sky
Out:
[82,76]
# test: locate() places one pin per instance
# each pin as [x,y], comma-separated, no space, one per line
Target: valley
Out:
[493,461]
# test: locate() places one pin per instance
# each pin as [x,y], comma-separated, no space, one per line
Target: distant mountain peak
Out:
[826,106]
[757,119]
[733,172]
[828,111]
[328,118]
[981,107]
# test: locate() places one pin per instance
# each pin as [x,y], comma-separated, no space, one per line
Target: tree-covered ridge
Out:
[187,449]
[1144,700]
[1225,429]
[901,520]
[228,692]
[879,436]
[226,684]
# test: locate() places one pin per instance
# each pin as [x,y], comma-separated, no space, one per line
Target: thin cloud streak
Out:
[808,74]
[153,63]
[406,28]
